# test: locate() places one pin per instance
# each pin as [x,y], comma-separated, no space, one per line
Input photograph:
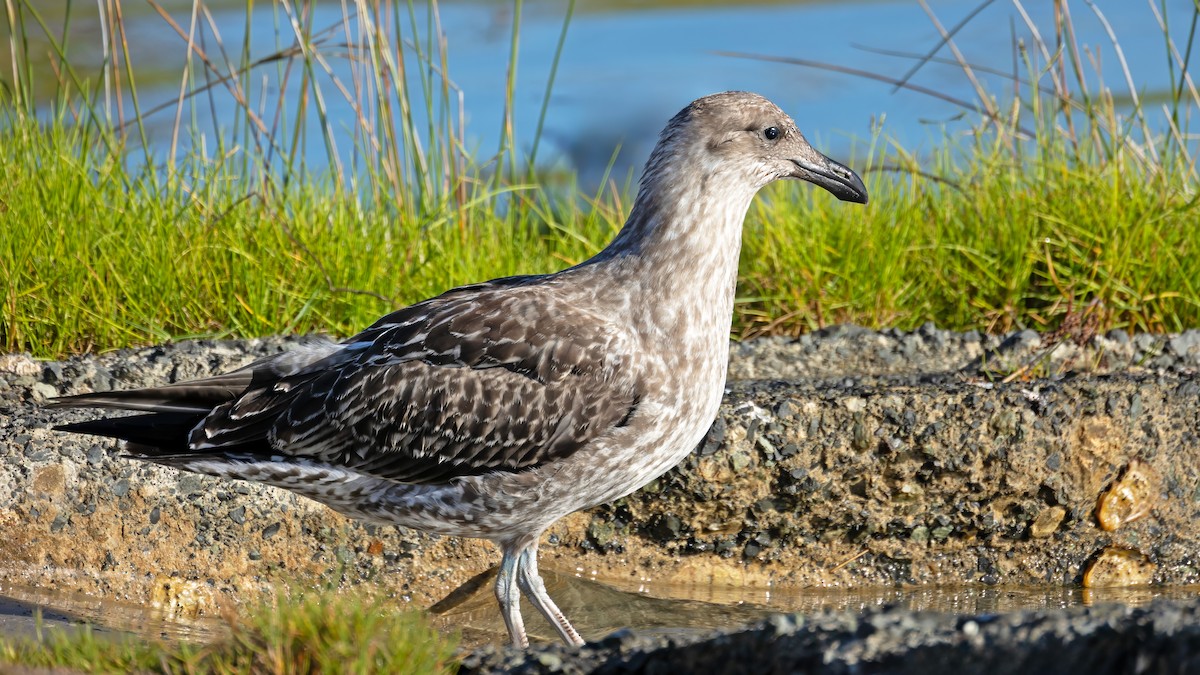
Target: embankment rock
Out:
[848,458]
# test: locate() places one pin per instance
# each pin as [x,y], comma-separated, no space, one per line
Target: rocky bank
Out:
[842,459]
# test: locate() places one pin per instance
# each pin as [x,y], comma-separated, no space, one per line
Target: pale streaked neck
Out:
[689,226]
[677,255]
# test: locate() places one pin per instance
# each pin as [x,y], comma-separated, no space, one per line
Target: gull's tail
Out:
[198,396]
[155,433]
[172,411]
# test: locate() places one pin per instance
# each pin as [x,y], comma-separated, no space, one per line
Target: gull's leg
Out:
[531,584]
[509,597]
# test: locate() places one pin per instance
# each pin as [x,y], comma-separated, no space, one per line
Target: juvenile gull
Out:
[495,409]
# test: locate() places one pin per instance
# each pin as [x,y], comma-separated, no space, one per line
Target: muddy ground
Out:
[844,459]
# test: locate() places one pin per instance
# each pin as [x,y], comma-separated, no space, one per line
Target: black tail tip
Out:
[72,428]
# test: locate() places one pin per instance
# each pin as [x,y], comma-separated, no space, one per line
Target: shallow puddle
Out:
[61,611]
[596,608]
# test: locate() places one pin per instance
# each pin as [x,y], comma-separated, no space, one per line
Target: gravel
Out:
[928,351]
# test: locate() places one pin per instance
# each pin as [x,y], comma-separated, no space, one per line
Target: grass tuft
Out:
[312,633]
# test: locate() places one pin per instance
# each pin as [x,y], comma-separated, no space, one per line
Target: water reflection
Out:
[63,610]
[597,609]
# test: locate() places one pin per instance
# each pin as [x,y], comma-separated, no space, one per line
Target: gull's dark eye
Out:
[771,133]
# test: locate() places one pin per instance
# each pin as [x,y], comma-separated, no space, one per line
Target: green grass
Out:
[1024,243]
[1063,210]
[312,633]
[97,259]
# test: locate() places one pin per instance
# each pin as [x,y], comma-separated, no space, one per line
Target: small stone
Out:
[601,533]
[738,460]
[786,410]
[860,438]
[238,515]
[190,483]
[1023,340]
[1054,461]
[1047,522]
[724,546]
[52,372]
[1184,343]
[21,365]
[1117,566]
[1135,406]
[42,391]
[666,528]
[1132,496]
[1147,343]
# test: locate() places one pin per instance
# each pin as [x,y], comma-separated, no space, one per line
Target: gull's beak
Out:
[833,176]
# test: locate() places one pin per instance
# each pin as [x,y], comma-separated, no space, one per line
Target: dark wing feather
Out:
[165,431]
[201,396]
[198,396]
[501,377]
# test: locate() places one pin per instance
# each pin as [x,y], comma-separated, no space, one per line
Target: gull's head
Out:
[744,135]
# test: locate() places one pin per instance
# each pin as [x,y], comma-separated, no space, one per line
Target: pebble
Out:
[1118,566]
[1132,496]
[1047,522]
[1185,343]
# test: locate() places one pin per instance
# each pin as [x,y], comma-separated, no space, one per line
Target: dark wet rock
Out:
[1163,637]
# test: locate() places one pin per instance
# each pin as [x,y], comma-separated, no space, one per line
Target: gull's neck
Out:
[677,255]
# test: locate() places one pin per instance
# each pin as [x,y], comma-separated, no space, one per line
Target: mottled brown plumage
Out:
[492,410]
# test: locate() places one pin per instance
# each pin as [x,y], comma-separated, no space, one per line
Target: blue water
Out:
[623,74]
[628,67]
